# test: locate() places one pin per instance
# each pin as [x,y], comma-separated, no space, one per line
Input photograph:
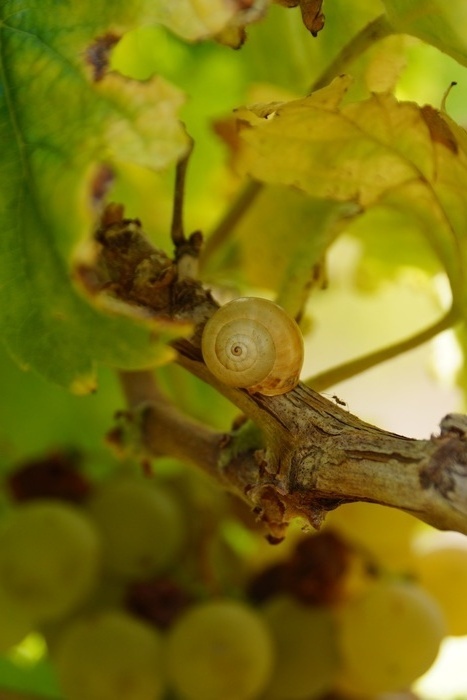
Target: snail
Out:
[254,344]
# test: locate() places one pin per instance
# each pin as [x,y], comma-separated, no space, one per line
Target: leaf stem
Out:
[168,431]
[139,387]
[225,227]
[375,30]
[333,376]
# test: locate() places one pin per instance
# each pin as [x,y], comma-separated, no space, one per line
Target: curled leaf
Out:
[377,152]
[61,117]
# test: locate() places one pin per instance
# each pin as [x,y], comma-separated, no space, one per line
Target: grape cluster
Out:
[126,581]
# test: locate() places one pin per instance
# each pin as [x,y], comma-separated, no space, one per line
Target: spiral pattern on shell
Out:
[253,343]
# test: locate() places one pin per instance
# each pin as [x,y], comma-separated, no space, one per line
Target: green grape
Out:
[441,567]
[385,533]
[49,558]
[306,658]
[389,636]
[141,527]
[219,650]
[109,656]
[14,623]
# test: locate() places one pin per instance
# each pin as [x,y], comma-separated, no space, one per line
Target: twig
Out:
[166,430]
[187,250]
[333,376]
[226,226]
[177,228]
[139,387]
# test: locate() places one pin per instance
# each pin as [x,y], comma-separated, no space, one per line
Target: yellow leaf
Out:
[377,151]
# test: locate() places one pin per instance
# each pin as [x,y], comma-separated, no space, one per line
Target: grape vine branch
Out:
[308,454]
[315,456]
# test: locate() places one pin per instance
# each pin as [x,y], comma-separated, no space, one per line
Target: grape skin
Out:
[385,533]
[219,650]
[441,567]
[109,656]
[49,558]
[306,658]
[142,528]
[389,637]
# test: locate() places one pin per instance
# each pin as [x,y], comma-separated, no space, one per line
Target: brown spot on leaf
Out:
[97,54]
[438,128]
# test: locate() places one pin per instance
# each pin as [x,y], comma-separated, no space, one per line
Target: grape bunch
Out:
[160,588]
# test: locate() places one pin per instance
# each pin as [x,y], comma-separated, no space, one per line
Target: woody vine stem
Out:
[309,455]
[297,454]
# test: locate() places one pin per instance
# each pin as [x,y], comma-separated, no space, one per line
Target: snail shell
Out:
[254,344]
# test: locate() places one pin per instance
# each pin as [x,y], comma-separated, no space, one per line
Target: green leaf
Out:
[436,22]
[215,78]
[58,123]
[376,152]
[28,430]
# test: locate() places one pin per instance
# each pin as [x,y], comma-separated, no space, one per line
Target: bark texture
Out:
[308,454]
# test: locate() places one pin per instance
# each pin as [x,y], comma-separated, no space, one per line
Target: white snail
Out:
[254,344]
